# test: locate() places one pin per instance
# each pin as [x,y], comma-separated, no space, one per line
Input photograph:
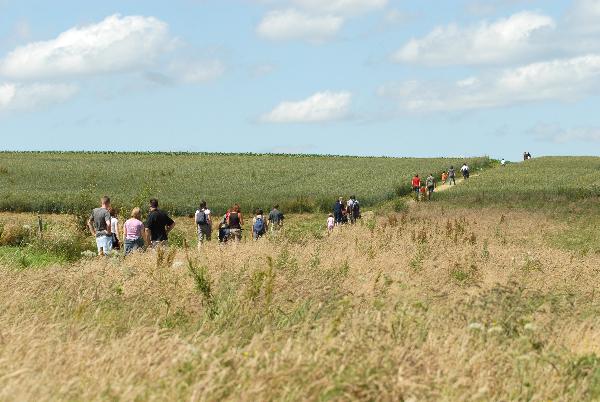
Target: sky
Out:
[353,77]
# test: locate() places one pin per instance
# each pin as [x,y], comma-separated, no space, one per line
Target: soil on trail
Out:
[443,187]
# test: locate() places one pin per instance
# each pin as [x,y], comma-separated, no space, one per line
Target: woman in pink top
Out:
[133,232]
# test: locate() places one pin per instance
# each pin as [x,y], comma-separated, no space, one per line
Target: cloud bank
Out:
[320,107]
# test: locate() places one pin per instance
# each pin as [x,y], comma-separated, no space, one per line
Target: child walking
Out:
[330,223]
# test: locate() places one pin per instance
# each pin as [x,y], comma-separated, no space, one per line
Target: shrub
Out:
[400,205]
[15,235]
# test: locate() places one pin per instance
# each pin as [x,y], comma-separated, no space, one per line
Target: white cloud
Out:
[294,25]
[508,39]
[584,16]
[20,97]
[195,72]
[560,80]
[555,133]
[341,7]
[114,44]
[320,107]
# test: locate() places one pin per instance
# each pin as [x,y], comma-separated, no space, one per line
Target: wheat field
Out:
[437,303]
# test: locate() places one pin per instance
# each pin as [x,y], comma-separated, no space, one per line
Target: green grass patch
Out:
[28,257]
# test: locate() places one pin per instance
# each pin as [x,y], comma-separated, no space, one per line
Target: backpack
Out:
[259,226]
[201,218]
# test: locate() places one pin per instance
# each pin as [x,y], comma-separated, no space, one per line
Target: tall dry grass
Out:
[437,304]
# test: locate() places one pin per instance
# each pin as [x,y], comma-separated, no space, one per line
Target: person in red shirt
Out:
[416,185]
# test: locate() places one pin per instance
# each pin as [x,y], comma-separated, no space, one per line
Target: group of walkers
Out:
[104,226]
[424,189]
[137,235]
[344,212]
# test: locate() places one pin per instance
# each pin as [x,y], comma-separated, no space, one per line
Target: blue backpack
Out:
[259,226]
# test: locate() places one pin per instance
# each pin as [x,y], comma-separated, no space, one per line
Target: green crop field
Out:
[537,182]
[71,182]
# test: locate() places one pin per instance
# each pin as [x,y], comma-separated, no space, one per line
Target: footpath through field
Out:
[442,187]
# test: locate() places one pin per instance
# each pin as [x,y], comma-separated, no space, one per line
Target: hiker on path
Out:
[99,225]
[259,225]
[276,219]
[330,223]
[354,209]
[465,171]
[430,182]
[422,193]
[114,228]
[235,220]
[451,176]
[337,210]
[133,232]
[444,177]
[224,228]
[345,212]
[158,225]
[502,162]
[203,223]
[416,185]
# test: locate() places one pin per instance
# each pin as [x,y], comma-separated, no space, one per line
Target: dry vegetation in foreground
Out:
[441,304]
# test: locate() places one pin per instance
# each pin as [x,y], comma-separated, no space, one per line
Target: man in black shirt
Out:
[157,225]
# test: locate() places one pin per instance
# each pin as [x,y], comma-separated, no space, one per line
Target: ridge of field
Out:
[537,182]
[70,182]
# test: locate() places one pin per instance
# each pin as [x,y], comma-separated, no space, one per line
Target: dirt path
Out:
[443,187]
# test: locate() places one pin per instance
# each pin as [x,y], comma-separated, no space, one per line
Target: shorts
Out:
[235,234]
[104,243]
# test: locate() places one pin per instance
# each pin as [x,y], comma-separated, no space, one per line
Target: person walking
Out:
[451,176]
[416,185]
[503,162]
[235,221]
[444,177]
[203,223]
[465,171]
[224,228]
[100,226]
[337,210]
[330,223]
[114,228]
[158,225]
[275,219]
[430,182]
[259,226]
[133,232]
[354,209]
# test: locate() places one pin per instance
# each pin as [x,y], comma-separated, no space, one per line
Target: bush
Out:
[15,235]
[400,205]
[68,247]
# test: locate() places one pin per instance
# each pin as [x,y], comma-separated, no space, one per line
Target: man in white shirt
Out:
[465,171]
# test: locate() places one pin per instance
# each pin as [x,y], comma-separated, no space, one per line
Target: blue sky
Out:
[361,77]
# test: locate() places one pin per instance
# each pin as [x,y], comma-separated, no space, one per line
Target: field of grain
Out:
[72,182]
[437,304]
[456,299]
